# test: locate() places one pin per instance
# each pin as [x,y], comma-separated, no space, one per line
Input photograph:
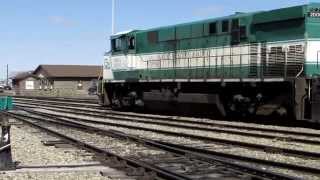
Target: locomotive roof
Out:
[119,34]
[236,15]
[291,10]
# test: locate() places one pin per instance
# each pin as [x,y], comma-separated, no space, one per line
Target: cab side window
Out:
[243,32]
[213,28]
[132,43]
[235,24]
[116,44]
[225,26]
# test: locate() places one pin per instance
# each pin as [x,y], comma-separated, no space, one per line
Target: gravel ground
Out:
[120,147]
[231,150]
[224,148]
[54,176]
[228,149]
[29,151]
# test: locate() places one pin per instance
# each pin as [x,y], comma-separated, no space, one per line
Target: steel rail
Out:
[53,102]
[63,99]
[170,119]
[197,137]
[194,153]
[184,126]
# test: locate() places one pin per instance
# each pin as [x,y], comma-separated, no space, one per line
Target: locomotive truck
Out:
[259,63]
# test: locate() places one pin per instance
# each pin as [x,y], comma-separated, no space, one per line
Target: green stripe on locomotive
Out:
[184,73]
[259,27]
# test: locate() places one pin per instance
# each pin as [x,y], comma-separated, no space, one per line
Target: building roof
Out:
[55,71]
[22,75]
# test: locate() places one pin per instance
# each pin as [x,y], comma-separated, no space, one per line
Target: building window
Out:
[213,28]
[29,85]
[80,85]
[225,26]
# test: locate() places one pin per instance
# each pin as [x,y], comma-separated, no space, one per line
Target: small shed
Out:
[24,80]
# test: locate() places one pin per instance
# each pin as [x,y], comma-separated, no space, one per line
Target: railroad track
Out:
[166,161]
[196,148]
[61,99]
[211,127]
[289,135]
[260,147]
[60,103]
[121,120]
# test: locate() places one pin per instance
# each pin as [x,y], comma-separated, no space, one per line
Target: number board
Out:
[314,12]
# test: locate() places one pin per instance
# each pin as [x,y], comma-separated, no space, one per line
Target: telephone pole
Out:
[113,16]
[7,83]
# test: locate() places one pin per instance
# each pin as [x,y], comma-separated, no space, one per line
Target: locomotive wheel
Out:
[116,102]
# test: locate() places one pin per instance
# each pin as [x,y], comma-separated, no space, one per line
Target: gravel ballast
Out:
[215,147]
[262,141]
[37,161]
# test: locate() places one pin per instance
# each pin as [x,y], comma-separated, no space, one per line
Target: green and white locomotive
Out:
[258,63]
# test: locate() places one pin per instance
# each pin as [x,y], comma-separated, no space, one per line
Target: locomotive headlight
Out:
[107,62]
[107,65]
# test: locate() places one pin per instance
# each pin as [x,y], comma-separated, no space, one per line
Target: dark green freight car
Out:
[258,63]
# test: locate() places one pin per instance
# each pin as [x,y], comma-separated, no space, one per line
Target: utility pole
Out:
[113,16]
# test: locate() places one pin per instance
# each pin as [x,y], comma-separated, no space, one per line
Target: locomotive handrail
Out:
[5,147]
[300,72]
[318,54]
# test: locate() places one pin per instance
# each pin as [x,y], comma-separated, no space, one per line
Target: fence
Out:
[71,93]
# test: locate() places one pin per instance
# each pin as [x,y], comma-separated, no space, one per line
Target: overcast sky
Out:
[34,32]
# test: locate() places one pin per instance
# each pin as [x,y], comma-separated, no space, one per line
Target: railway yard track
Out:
[221,149]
